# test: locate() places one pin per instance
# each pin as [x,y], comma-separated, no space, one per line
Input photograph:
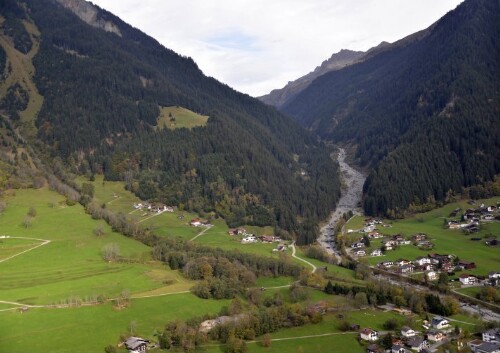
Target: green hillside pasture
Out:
[10,247]
[184,118]
[71,265]
[445,241]
[90,329]
[322,337]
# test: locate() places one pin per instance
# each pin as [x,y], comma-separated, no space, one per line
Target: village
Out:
[432,264]
[437,332]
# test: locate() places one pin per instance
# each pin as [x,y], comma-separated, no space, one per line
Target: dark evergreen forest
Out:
[102,93]
[424,113]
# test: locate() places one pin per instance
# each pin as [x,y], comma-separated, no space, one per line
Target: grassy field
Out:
[71,264]
[445,241]
[90,329]
[308,338]
[182,118]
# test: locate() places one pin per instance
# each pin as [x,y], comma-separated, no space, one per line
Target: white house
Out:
[376,252]
[492,335]
[417,343]
[360,253]
[367,334]
[250,239]
[431,275]
[421,261]
[466,279]
[407,331]
[439,323]
[435,336]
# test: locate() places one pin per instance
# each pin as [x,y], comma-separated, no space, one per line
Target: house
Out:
[237,231]
[431,275]
[376,252]
[387,264]
[367,334]
[266,238]
[373,348]
[488,347]
[466,279]
[199,223]
[447,266]
[358,245]
[369,228]
[439,323]
[474,344]
[466,265]
[417,343]
[492,208]
[249,239]
[403,262]
[375,235]
[419,237]
[421,261]
[428,267]
[492,335]
[398,349]
[435,336]
[360,253]
[407,332]
[406,269]
[494,275]
[136,344]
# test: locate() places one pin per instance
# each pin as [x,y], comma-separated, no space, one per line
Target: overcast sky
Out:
[259,45]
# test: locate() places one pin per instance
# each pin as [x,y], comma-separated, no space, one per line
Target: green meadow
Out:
[178,117]
[446,241]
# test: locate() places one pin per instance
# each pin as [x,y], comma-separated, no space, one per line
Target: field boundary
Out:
[44,242]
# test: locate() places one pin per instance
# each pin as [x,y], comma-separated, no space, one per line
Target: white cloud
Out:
[258,45]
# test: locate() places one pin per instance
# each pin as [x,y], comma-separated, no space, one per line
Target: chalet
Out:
[472,228]
[367,334]
[373,348]
[388,247]
[493,242]
[266,238]
[407,332]
[387,264]
[466,279]
[391,242]
[402,262]
[195,222]
[136,344]
[435,336]
[492,208]
[488,347]
[237,231]
[360,253]
[447,266]
[376,252]
[494,275]
[488,217]
[421,261]
[406,269]
[375,235]
[492,335]
[431,275]
[474,344]
[428,267]
[249,239]
[439,323]
[454,225]
[369,228]
[417,343]
[398,349]
[425,244]
[419,237]
[358,245]
[466,265]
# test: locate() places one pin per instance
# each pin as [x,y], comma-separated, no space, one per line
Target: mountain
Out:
[95,95]
[423,112]
[280,97]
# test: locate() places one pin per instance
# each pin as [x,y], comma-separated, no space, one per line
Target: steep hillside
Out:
[424,113]
[280,97]
[104,85]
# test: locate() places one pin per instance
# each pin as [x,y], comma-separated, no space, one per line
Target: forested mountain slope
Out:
[424,114]
[103,85]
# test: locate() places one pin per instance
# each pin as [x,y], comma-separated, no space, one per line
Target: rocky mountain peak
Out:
[90,14]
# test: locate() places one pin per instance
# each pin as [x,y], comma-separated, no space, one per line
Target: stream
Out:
[349,200]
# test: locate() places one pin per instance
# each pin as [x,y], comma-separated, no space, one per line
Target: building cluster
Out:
[471,218]
[408,340]
[490,342]
[198,222]
[153,207]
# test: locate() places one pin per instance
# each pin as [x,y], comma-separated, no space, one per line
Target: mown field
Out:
[445,241]
[178,117]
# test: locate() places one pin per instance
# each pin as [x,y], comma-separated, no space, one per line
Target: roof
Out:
[416,341]
[488,347]
[406,328]
[367,331]
[134,342]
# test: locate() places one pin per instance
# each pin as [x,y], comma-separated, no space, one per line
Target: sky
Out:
[256,46]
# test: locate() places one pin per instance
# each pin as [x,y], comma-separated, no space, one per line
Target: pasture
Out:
[179,117]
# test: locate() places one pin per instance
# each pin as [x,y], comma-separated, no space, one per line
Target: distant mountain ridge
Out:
[423,111]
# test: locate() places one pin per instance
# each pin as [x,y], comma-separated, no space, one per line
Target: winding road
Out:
[351,196]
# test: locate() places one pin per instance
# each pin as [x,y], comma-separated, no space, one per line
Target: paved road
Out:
[351,196]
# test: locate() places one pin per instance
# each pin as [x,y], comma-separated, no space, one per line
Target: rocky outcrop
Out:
[90,14]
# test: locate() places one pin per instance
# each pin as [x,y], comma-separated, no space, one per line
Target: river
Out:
[351,196]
